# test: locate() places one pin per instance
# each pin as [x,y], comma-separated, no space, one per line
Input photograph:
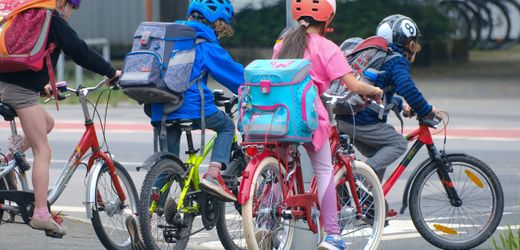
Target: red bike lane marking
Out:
[129,127]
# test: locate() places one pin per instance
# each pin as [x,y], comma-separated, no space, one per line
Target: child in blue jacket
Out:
[374,138]
[211,20]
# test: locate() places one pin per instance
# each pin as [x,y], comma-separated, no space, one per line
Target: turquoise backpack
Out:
[278,101]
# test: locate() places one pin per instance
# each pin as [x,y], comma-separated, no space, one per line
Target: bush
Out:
[508,240]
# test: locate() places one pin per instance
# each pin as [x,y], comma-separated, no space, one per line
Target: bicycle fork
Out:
[443,170]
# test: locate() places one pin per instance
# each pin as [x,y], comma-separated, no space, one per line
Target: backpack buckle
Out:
[145,40]
[265,86]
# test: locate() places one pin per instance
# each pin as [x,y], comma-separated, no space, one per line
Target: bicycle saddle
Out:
[7,112]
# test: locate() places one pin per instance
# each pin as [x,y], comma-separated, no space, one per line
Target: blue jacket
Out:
[217,62]
[396,79]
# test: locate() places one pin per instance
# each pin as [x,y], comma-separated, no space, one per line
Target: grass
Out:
[509,240]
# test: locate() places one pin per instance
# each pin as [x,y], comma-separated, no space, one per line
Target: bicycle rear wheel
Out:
[449,226]
[8,182]
[364,232]
[162,226]
[110,214]
[263,227]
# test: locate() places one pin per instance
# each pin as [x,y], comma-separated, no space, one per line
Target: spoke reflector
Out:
[474,178]
[444,229]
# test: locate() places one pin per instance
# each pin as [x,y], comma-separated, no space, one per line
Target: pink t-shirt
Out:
[327,65]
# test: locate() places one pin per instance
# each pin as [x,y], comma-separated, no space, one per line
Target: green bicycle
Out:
[171,198]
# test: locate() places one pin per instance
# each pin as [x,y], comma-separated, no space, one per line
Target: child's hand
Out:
[377,95]
[112,81]
[47,90]
[407,111]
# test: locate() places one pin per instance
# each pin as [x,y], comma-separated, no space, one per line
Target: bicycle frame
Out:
[422,136]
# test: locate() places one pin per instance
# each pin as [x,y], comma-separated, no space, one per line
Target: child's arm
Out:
[405,87]
[74,47]
[222,67]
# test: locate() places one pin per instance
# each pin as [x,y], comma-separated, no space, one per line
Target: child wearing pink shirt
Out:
[328,64]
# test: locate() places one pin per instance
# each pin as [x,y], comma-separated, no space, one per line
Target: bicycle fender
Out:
[248,174]
[90,200]
[414,175]
[153,159]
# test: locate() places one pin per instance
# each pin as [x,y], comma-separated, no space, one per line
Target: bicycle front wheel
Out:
[162,226]
[361,232]
[454,226]
[110,213]
[263,227]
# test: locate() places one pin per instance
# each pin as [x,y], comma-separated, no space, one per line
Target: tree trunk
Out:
[172,10]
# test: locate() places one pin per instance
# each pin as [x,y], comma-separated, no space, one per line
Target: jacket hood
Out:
[203,31]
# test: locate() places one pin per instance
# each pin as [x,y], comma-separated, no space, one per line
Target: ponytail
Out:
[295,42]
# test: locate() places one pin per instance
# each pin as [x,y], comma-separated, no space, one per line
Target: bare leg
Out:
[36,135]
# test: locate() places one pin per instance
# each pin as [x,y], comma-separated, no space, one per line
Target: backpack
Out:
[24,30]
[278,101]
[158,69]
[366,57]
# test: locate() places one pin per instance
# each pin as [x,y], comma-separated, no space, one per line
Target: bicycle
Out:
[442,186]
[273,196]
[110,190]
[167,210]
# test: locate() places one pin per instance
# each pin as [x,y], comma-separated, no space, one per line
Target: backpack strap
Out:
[50,70]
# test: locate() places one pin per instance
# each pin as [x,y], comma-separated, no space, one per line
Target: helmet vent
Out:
[315,9]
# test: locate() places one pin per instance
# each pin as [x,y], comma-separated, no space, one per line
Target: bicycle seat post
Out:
[186,127]
[14,132]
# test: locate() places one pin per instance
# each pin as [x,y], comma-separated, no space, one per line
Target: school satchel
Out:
[278,101]
[159,67]
[24,30]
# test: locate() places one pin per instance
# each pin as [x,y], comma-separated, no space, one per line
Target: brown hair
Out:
[221,28]
[295,42]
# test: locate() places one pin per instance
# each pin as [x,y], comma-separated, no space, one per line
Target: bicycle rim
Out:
[110,215]
[263,228]
[365,232]
[454,227]
[161,224]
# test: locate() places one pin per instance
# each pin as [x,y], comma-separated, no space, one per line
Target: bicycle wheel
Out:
[364,232]
[457,227]
[110,214]
[229,224]
[263,227]
[8,182]
[162,226]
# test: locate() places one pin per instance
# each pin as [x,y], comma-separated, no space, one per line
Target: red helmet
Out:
[319,10]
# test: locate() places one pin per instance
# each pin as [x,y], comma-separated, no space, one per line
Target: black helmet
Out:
[398,29]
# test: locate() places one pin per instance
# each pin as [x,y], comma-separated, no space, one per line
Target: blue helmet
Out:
[213,10]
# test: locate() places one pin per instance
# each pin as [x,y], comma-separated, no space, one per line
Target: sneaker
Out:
[217,187]
[391,214]
[332,242]
[52,226]
[132,225]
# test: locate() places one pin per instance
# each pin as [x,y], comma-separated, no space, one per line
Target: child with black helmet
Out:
[373,137]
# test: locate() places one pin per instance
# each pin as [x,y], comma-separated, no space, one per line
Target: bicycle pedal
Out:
[53,234]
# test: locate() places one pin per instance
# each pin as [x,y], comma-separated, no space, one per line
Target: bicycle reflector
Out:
[253,150]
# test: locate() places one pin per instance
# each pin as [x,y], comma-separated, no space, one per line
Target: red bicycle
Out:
[456,201]
[111,194]
[273,196]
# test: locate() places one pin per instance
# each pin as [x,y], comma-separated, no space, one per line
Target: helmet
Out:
[75,3]
[398,29]
[213,10]
[319,10]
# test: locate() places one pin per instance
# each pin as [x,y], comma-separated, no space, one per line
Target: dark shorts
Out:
[18,97]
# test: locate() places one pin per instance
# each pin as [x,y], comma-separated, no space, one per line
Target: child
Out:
[21,91]
[374,138]
[211,20]
[328,64]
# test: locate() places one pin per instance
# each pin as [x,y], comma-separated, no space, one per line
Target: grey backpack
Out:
[159,67]
[366,57]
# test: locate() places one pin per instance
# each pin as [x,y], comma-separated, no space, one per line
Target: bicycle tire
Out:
[486,23]
[249,221]
[480,176]
[229,230]
[7,184]
[455,10]
[500,34]
[374,219]
[145,219]
[115,213]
